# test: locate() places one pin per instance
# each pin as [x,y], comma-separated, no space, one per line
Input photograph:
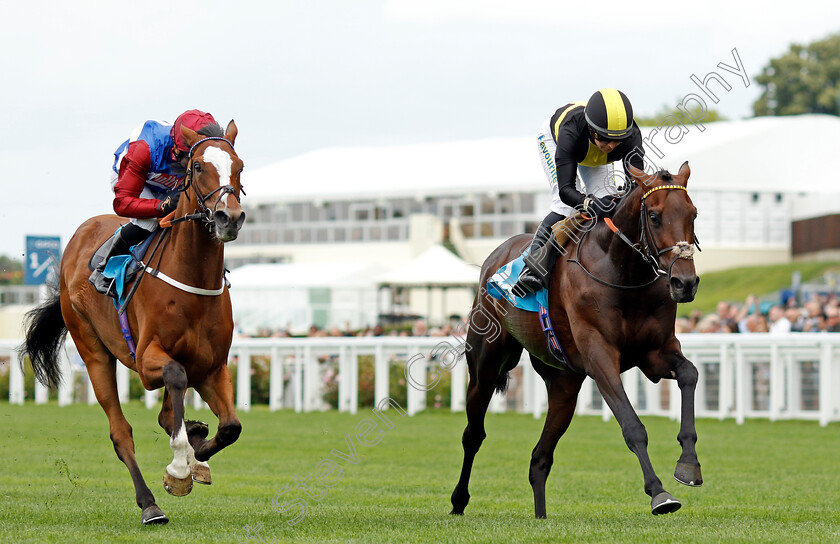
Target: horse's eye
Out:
[654,218]
[197,166]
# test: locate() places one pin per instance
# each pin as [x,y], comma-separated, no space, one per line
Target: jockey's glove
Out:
[603,206]
[169,203]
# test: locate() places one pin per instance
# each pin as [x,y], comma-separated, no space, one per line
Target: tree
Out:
[11,271]
[668,111]
[806,79]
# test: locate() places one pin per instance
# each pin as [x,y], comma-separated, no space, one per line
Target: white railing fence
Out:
[741,376]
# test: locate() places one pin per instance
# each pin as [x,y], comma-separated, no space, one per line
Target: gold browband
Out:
[663,187]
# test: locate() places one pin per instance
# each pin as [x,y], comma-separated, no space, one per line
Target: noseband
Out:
[205,214]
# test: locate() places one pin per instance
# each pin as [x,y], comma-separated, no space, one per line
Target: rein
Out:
[645,247]
[204,215]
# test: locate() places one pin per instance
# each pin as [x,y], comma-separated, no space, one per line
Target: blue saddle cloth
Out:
[117,269]
[499,286]
[123,268]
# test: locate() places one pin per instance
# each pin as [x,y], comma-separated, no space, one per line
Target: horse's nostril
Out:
[677,284]
[221,218]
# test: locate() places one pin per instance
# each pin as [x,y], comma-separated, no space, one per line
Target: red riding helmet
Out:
[192,119]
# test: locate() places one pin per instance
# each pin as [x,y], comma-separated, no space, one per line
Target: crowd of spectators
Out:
[418,327]
[819,314]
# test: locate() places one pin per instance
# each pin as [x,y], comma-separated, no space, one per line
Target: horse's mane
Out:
[212,130]
[663,175]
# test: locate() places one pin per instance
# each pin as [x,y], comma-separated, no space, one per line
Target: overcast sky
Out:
[296,76]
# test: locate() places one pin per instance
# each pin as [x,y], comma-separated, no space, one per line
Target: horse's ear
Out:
[190,135]
[640,176]
[231,131]
[684,173]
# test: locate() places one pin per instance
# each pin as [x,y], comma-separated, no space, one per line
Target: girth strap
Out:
[183,286]
[553,343]
[126,332]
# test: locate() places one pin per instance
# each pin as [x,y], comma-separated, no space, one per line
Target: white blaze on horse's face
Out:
[222,161]
[226,214]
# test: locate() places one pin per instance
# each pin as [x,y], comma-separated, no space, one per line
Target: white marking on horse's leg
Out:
[180,466]
[191,462]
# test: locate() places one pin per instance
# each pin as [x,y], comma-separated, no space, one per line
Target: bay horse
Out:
[180,318]
[612,301]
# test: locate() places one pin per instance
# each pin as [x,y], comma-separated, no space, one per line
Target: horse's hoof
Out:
[459,502]
[664,503]
[177,486]
[688,474]
[201,473]
[152,515]
[197,428]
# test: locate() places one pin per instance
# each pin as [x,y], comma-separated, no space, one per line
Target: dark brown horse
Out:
[612,301]
[183,328]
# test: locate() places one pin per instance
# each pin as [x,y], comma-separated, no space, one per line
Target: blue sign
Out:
[43,254]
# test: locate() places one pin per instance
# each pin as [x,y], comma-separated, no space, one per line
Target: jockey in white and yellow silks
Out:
[582,138]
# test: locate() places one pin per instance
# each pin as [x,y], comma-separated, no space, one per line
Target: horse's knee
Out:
[174,376]
[540,466]
[635,436]
[123,439]
[687,374]
[229,432]
[472,440]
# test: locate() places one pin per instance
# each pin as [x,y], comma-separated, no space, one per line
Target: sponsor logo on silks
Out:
[548,159]
[166,181]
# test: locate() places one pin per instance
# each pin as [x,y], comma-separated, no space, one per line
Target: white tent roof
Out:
[414,170]
[777,154]
[788,154]
[435,267]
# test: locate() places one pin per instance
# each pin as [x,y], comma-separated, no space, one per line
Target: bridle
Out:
[645,247]
[204,214]
[681,250]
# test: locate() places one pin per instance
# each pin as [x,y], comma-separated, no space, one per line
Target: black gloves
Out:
[602,206]
[169,203]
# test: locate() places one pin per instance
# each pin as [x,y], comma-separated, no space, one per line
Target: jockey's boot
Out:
[539,262]
[128,235]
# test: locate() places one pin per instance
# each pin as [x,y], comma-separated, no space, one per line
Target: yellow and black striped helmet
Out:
[610,114]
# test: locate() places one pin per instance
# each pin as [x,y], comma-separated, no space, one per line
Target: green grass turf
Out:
[60,481]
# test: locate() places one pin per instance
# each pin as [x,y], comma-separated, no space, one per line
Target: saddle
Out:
[500,285]
[122,268]
[570,228]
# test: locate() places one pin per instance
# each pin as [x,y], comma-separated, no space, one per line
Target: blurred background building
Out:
[762,187]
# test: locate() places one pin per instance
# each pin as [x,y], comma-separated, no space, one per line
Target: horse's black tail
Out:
[502,382]
[44,333]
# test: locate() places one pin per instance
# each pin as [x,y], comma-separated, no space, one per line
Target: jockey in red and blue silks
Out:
[147,173]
